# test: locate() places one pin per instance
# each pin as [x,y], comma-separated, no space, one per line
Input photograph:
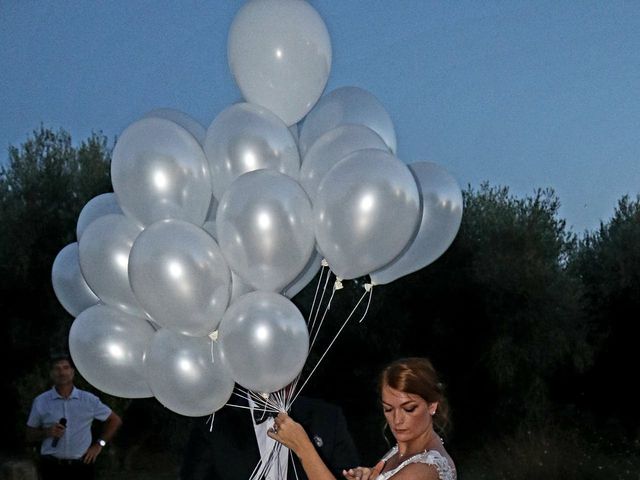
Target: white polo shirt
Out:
[80,409]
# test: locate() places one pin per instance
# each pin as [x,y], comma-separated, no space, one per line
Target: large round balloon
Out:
[441,217]
[104,257]
[179,276]
[187,374]
[108,346]
[185,121]
[279,53]
[303,279]
[265,229]
[238,287]
[247,137]
[295,132]
[209,224]
[97,207]
[345,105]
[332,147]
[70,287]
[159,171]
[366,211]
[264,340]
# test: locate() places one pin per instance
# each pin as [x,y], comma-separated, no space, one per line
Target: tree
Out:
[42,190]
[608,263]
[498,312]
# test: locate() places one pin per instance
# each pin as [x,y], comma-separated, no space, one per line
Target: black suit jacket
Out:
[230,450]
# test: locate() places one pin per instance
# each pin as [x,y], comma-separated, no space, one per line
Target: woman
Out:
[412,401]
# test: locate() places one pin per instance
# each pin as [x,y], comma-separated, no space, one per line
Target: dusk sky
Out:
[525,94]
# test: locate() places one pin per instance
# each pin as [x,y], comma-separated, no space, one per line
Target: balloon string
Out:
[315,296]
[266,404]
[369,288]
[317,331]
[295,470]
[210,420]
[313,331]
[213,336]
[256,470]
[273,458]
[324,290]
[368,291]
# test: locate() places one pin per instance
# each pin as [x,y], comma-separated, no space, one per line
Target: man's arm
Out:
[293,436]
[111,426]
[36,435]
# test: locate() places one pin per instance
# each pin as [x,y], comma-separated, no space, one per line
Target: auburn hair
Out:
[417,376]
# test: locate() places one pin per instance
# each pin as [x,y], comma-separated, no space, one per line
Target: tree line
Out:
[527,321]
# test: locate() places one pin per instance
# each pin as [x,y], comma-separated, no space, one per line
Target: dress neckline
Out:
[429,456]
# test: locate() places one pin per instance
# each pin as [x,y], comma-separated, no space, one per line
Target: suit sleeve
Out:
[344,454]
[199,455]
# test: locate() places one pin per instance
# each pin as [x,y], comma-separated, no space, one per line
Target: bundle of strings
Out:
[270,404]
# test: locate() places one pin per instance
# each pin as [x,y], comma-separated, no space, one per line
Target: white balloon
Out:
[210,222]
[332,147]
[308,274]
[70,287]
[238,287]
[279,53]
[159,171]
[107,347]
[441,217]
[179,276]
[246,137]
[265,229]
[185,121]
[97,207]
[295,132]
[104,257]
[264,340]
[345,105]
[187,374]
[366,211]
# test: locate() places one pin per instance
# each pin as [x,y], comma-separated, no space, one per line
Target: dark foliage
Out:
[527,323]
[42,190]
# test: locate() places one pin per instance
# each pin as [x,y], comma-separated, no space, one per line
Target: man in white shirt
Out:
[61,419]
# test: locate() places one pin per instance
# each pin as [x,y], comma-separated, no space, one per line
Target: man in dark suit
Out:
[229,450]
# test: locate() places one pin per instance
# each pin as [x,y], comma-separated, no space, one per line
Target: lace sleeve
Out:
[431,457]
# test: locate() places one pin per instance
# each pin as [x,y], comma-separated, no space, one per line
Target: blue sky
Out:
[527,94]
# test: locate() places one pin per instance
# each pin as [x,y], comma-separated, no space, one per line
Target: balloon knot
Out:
[368,287]
[338,284]
[214,335]
[324,262]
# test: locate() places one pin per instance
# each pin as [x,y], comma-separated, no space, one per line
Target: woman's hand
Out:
[364,473]
[290,433]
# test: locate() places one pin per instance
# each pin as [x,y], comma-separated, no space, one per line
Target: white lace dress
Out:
[446,471]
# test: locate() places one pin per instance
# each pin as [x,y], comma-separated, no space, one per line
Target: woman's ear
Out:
[432,407]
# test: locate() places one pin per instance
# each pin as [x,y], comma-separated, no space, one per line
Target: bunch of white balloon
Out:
[180,280]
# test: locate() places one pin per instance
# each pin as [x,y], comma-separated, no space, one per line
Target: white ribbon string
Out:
[312,318]
[281,401]
[368,291]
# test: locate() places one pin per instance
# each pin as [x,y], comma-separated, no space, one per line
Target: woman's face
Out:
[408,415]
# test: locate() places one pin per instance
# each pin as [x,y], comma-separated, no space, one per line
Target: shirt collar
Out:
[53,393]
